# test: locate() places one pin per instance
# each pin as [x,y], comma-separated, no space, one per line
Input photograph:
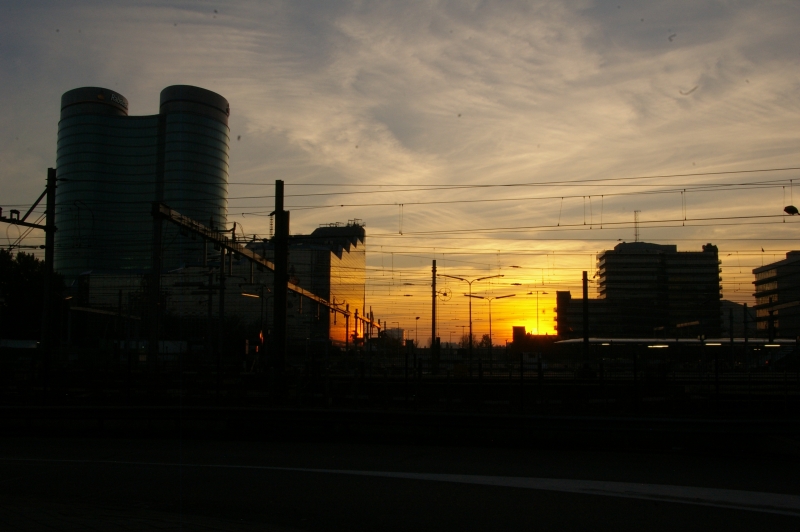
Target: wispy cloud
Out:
[441,92]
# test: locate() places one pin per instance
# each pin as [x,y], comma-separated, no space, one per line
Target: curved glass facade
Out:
[112,167]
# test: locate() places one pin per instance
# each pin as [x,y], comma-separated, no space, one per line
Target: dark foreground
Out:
[347,470]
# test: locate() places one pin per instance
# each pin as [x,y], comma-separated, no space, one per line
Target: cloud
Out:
[438,92]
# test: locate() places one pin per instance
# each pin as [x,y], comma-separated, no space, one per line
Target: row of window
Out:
[123,131]
[90,139]
[91,172]
[150,159]
[144,121]
[766,287]
[91,143]
[766,274]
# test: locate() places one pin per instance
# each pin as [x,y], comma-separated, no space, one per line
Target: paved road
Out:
[123,484]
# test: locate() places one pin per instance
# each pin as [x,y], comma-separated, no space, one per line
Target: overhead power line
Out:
[563,227]
[705,188]
[693,174]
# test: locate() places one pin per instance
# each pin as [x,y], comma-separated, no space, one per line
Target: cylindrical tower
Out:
[112,167]
[107,166]
[193,177]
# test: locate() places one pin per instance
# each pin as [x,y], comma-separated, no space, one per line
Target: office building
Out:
[777,293]
[649,290]
[111,167]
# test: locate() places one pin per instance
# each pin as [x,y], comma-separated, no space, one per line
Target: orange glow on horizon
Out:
[506,314]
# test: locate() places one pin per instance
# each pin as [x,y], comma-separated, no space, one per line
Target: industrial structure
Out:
[331,263]
[141,211]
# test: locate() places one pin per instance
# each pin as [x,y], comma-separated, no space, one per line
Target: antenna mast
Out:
[636,226]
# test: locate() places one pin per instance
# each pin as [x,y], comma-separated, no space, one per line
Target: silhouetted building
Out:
[395,333]
[647,290]
[111,167]
[518,334]
[331,263]
[530,345]
[777,292]
[730,309]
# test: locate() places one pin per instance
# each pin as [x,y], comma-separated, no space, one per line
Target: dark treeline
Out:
[22,295]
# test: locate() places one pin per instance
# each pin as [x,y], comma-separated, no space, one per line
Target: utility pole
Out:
[746,354]
[210,322]
[434,343]
[281,279]
[49,248]
[155,289]
[355,328]
[586,314]
[156,264]
[733,353]
[347,327]
[49,228]
[221,319]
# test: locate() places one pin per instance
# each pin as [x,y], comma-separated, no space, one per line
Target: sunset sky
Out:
[513,138]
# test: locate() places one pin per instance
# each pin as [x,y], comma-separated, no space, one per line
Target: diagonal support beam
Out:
[221,239]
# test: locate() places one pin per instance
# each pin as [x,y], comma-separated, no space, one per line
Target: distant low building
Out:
[734,313]
[395,333]
[530,344]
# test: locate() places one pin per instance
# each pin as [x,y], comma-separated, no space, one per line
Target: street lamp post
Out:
[489,299]
[470,303]
[537,308]
[416,332]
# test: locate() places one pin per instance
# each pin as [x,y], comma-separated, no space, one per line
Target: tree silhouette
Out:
[464,343]
[22,295]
